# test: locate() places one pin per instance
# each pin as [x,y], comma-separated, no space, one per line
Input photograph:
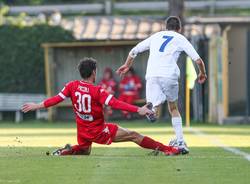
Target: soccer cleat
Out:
[66,150]
[181,145]
[151,117]
[173,151]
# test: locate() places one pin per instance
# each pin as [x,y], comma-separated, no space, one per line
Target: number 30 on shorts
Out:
[83,102]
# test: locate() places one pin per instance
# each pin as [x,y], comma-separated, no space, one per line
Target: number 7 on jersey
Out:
[164,44]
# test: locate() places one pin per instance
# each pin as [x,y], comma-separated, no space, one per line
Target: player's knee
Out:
[173,109]
[134,136]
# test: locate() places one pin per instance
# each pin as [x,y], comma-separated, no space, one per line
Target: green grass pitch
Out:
[23,159]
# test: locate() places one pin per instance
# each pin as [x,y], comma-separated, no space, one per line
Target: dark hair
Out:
[173,23]
[109,70]
[86,67]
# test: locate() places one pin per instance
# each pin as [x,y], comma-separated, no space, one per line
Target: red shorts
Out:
[106,136]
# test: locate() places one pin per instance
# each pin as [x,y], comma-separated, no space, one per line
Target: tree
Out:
[176,8]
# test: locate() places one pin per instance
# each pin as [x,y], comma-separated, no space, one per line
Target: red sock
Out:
[149,143]
[76,150]
[67,152]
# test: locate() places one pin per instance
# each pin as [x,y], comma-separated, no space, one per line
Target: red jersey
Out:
[109,85]
[130,85]
[87,101]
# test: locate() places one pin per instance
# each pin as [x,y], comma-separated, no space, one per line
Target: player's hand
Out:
[30,107]
[122,70]
[202,77]
[144,110]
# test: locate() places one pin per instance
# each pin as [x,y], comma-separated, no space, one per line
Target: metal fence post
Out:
[108,7]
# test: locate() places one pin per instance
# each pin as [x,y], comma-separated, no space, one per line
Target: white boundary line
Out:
[218,143]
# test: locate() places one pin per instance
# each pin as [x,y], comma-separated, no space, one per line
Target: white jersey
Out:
[165,48]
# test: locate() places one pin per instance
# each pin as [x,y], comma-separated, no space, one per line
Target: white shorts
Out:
[160,89]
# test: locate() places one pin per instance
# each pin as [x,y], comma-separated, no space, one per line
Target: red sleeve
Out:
[104,96]
[65,92]
[117,104]
[108,99]
[52,101]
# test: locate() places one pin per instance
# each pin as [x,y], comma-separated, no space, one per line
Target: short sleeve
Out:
[104,97]
[65,92]
[189,49]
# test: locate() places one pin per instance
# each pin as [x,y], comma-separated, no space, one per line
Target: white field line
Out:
[218,143]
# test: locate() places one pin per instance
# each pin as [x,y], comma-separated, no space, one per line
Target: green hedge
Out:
[22,59]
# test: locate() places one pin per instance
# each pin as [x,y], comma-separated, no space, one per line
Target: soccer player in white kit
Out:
[163,73]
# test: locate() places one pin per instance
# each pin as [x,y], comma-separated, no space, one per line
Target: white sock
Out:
[177,125]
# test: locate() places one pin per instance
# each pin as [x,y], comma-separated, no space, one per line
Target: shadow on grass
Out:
[195,152]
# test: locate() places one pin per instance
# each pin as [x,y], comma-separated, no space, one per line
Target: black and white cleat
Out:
[181,145]
[60,151]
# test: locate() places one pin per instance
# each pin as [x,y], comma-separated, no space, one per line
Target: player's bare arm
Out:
[144,110]
[117,104]
[45,104]
[32,106]
[202,71]
[139,48]
[125,67]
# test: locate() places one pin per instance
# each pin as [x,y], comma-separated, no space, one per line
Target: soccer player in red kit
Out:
[87,101]
[129,88]
[109,84]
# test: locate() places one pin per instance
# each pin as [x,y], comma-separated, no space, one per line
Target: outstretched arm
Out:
[202,71]
[139,48]
[191,52]
[65,92]
[117,104]
[45,104]
[122,70]
[32,106]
